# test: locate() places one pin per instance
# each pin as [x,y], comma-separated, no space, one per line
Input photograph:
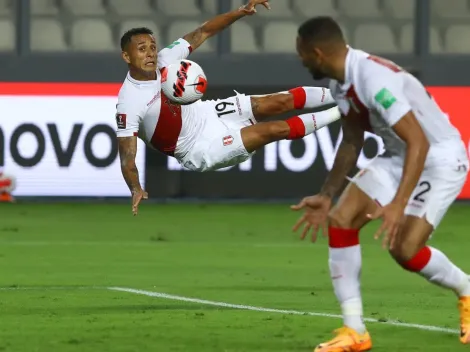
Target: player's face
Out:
[311,58]
[142,53]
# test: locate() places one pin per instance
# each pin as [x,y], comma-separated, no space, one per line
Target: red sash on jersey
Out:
[168,127]
[359,108]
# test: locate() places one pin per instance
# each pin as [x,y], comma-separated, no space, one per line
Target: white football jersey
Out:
[142,110]
[382,93]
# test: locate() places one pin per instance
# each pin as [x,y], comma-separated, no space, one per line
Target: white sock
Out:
[314,122]
[345,269]
[316,96]
[306,124]
[441,271]
[311,97]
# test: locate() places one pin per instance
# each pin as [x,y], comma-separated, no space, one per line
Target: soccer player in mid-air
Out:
[410,187]
[205,135]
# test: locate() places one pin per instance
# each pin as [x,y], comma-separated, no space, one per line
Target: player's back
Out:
[387,93]
[434,122]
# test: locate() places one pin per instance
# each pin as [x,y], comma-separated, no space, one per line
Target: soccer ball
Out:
[184,82]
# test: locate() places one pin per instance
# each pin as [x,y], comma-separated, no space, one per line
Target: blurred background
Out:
[61,71]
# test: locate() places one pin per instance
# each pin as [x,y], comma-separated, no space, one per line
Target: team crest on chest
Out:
[227,140]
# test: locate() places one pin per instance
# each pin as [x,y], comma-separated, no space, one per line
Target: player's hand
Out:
[137,196]
[316,209]
[250,8]
[393,217]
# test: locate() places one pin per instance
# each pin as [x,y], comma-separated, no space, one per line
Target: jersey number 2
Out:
[222,108]
[426,187]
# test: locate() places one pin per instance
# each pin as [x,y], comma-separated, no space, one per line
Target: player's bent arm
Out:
[213,26]
[127,153]
[346,157]
[417,147]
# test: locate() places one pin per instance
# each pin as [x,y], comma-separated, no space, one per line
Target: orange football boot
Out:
[346,340]
[6,197]
[464,308]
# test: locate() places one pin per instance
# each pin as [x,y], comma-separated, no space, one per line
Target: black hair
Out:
[127,37]
[321,29]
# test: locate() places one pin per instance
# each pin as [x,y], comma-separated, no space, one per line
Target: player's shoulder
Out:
[180,42]
[370,71]
[134,97]
[179,49]
[368,66]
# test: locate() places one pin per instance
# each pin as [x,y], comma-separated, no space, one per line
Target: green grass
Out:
[242,254]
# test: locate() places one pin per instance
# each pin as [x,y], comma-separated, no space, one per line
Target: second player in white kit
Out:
[410,187]
[383,93]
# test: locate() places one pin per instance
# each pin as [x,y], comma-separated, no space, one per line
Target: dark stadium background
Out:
[45,47]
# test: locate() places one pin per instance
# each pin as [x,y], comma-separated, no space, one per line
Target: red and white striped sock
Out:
[311,97]
[305,124]
[345,263]
[434,265]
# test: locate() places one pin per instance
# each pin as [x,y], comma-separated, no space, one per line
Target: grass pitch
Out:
[57,261]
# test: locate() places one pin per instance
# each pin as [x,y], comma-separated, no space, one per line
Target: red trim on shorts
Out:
[419,261]
[190,49]
[297,128]
[300,97]
[342,238]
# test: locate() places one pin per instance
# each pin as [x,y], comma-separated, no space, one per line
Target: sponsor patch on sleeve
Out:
[121,121]
[172,45]
[385,98]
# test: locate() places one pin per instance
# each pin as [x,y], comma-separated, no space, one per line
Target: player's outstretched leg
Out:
[413,255]
[345,262]
[297,127]
[265,106]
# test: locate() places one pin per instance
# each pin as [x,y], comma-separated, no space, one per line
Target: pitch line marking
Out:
[281,311]
[227,305]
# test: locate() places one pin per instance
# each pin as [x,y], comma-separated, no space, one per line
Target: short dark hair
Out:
[127,37]
[320,29]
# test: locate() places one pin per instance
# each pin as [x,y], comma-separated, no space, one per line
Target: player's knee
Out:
[340,218]
[404,251]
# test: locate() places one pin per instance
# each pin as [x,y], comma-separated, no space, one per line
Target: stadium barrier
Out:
[58,140]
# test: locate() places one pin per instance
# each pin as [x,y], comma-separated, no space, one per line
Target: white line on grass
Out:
[224,304]
[272,310]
